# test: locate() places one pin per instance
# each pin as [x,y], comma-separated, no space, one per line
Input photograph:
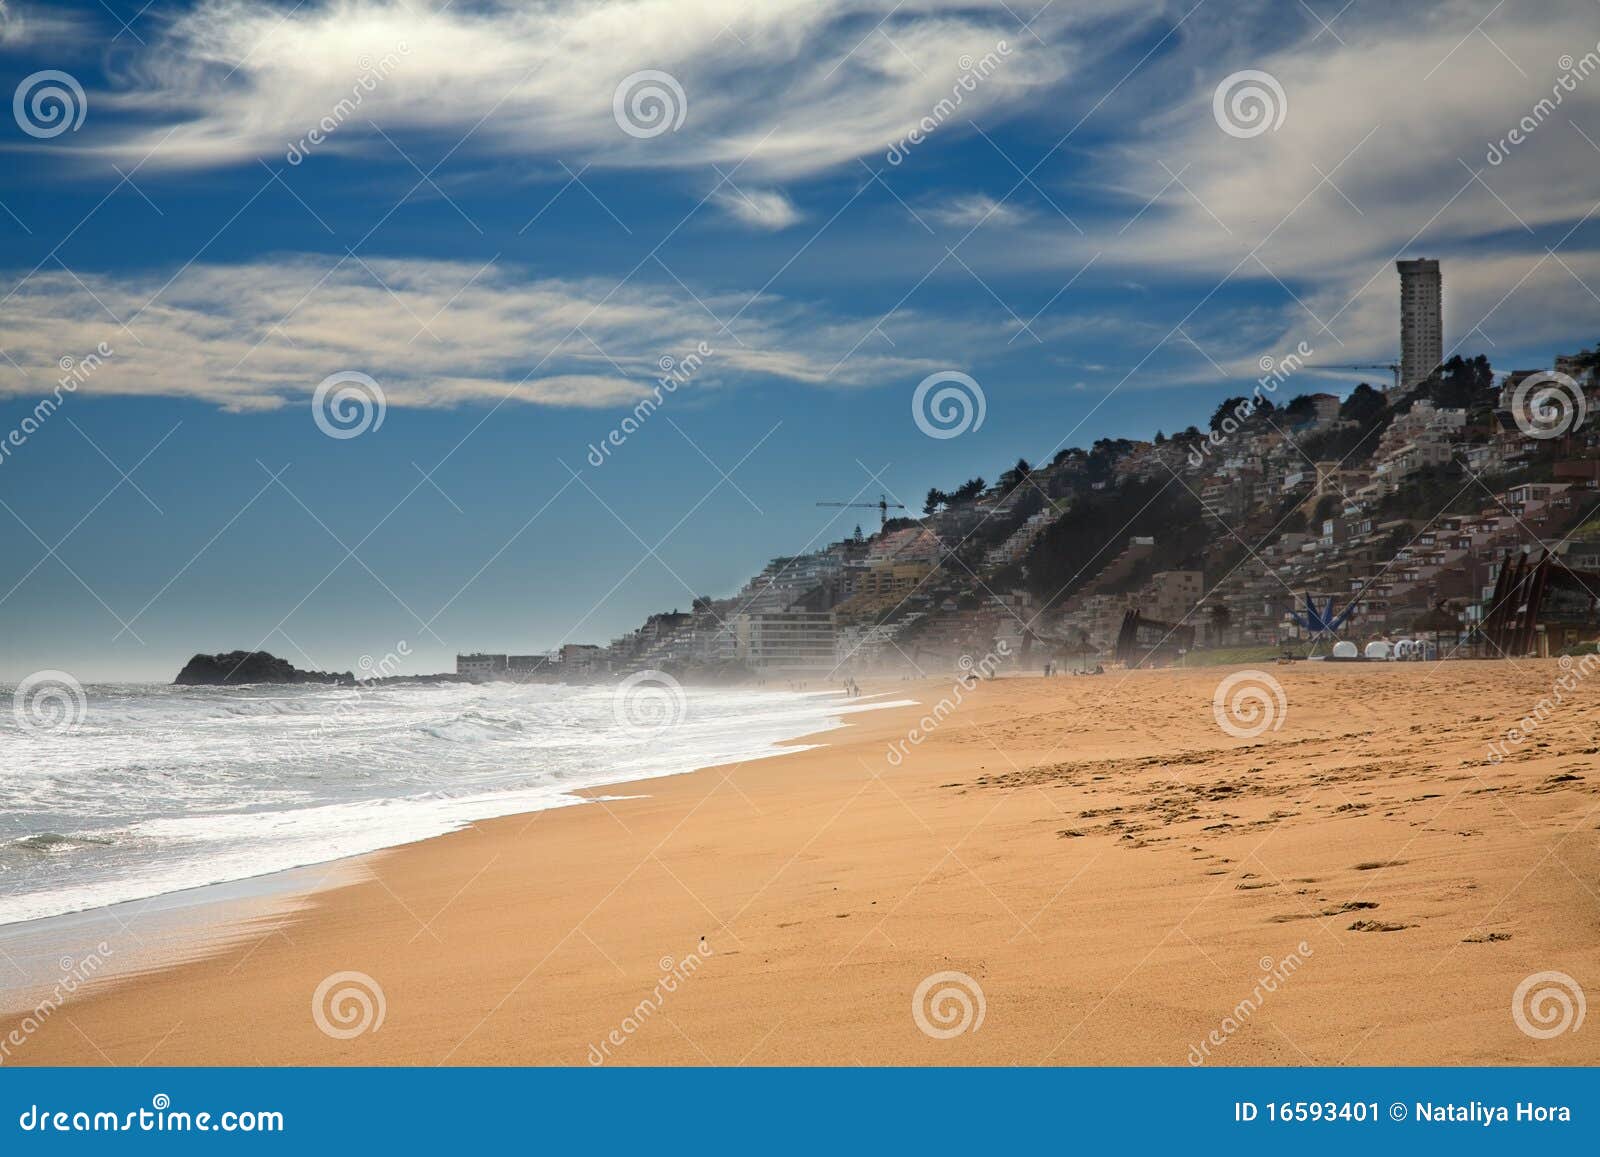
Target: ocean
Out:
[153,789]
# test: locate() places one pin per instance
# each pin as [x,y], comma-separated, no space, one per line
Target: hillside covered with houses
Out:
[1401,506]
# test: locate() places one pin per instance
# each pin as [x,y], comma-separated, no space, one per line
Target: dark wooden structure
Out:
[1543,596]
[1142,640]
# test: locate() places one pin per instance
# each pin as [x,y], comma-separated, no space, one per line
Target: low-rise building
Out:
[777,642]
[481,666]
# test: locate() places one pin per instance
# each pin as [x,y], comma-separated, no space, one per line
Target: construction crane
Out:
[882,506]
[1392,367]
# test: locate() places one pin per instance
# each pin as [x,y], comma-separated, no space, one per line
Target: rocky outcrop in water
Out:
[236,667]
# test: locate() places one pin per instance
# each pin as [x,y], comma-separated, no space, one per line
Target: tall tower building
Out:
[1421,320]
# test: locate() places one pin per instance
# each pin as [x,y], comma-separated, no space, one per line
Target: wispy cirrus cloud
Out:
[23,26]
[786,87]
[1387,148]
[970,210]
[760,208]
[435,333]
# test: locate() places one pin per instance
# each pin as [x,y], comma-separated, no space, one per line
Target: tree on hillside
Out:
[1226,410]
[1015,476]
[1301,408]
[966,492]
[1588,359]
[1363,404]
[936,498]
[1460,383]
[1103,455]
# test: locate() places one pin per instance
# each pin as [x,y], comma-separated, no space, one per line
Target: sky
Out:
[333,305]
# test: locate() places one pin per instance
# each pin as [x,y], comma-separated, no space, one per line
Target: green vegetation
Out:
[1238,656]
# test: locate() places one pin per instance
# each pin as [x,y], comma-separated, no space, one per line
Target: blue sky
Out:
[482,236]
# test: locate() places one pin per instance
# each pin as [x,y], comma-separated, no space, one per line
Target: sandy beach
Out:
[1112,874]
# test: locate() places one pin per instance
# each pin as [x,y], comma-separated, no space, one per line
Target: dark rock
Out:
[237,667]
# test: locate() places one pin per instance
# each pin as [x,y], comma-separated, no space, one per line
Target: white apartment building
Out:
[778,642]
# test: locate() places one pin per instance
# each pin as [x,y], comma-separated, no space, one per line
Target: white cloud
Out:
[783,87]
[433,333]
[759,208]
[1375,160]
[970,210]
[25,26]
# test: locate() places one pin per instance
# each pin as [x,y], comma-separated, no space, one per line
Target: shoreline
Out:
[332,826]
[1103,865]
[194,923]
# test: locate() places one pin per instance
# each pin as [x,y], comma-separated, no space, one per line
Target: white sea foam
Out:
[165,788]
